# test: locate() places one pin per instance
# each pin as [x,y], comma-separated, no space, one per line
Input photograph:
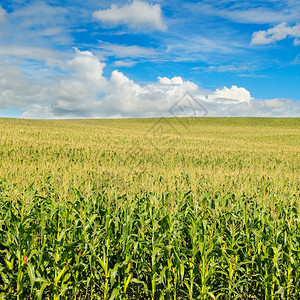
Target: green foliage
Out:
[90,210]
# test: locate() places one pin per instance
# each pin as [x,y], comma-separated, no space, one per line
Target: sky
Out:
[115,59]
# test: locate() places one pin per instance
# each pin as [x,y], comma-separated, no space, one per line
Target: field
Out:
[195,208]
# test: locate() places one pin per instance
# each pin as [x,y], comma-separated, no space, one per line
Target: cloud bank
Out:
[136,15]
[82,91]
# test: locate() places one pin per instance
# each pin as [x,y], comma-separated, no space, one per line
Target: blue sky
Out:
[99,59]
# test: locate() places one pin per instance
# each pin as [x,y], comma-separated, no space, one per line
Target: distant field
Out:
[189,208]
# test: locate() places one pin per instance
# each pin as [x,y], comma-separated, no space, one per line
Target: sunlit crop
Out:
[100,210]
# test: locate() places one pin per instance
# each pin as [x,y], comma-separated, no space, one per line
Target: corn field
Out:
[97,209]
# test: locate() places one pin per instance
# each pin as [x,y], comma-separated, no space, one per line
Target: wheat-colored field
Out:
[181,208]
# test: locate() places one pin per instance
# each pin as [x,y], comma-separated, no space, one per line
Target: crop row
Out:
[149,247]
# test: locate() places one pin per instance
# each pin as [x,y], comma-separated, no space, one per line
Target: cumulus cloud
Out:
[174,80]
[83,91]
[232,95]
[86,67]
[136,14]
[277,33]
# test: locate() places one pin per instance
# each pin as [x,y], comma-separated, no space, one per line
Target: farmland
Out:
[195,208]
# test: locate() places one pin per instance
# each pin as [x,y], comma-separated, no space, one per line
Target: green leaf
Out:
[31,274]
[41,290]
[114,294]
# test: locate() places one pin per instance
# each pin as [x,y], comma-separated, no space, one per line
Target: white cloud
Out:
[232,95]
[2,15]
[86,67]
[38,23]
[16,90]
[136,14]
[259,15]
[277,33]
[174,80]
[263,108]
[251,12]
[51,57]
[125,63]
[84,92]
[38,14]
